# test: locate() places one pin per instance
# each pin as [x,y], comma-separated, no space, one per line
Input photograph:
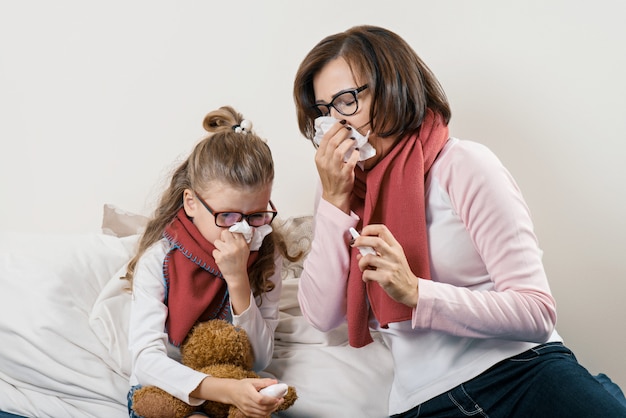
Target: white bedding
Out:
[63,314]
[332,378]
[53,364]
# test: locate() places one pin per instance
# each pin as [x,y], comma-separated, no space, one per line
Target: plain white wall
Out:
[99,101]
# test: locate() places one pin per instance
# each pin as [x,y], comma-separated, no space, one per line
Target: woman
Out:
[456,286]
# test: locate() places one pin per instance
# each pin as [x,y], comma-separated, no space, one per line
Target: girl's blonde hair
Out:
[231,156]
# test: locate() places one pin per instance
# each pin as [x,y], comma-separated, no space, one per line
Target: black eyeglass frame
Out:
[243,216]
[354,93]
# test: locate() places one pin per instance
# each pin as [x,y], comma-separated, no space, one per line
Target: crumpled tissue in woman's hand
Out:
[366,150]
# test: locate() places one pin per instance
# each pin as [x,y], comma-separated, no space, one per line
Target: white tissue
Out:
[254,236]
[366,150]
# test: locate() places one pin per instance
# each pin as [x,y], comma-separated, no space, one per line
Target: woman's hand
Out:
[244,394]
[231,255]
[336,175]
[390,267]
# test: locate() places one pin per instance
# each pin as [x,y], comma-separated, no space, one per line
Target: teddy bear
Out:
[217,348]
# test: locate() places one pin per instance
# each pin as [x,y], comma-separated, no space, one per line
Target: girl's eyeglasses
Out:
[228,219]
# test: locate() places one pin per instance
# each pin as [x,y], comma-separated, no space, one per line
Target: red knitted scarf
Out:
[392,193]
[196,290]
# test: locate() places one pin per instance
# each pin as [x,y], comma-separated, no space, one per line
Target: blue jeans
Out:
[545,381]
[129,399]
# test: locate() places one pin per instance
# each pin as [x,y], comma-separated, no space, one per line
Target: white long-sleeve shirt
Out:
[155,361]
[488,299]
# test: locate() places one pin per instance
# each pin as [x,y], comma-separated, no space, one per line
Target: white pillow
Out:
[121,223]
[53,364]
[109,320]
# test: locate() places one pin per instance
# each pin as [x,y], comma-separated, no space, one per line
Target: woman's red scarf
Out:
[392,193]
[196,290]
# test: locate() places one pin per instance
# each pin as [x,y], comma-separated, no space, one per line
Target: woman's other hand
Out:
[389,267]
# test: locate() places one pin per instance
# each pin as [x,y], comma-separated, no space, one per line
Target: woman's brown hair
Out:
[401,85]
[240,159]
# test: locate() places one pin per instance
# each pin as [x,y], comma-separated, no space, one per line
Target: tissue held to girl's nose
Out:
[254,236]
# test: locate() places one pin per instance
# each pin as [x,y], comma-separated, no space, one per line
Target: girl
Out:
[193,266]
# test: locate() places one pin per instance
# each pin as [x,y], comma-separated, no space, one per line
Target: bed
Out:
[63,329]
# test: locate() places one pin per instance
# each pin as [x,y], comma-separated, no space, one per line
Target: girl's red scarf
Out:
[196,290]
[392,193]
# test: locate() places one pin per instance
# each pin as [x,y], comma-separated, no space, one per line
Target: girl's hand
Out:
[336,175]
[390,267]
[245,396]
[231,255]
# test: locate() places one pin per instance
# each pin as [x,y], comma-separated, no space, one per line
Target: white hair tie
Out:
[244,127]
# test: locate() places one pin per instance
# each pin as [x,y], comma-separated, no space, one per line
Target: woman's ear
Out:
[189,203]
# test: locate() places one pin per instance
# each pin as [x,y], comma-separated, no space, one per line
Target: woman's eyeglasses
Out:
[228,219]
[345,102]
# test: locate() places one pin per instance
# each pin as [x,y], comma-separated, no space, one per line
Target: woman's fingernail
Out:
[348,128]
[351,242]
[343,121]
[353,138]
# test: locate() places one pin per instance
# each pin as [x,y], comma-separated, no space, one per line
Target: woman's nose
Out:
[335,114]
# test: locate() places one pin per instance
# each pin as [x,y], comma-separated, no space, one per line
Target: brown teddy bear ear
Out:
[217,342]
